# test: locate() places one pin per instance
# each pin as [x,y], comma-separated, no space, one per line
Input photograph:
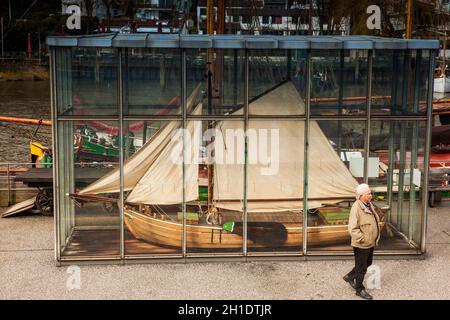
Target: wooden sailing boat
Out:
[152,181]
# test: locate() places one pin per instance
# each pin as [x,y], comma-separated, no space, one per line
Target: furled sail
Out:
[138,164]
[276,160]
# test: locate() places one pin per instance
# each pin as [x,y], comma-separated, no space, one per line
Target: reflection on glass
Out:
[229,66]
[270,69]
[339,82]
[399,145]
[87,81]
[336,167]
[152,82]
[418,98]
[400,82]
[89,216]
[222,70]
[197,77]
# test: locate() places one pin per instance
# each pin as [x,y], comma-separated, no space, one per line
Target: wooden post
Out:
[9,185]
[409,19]
[210,16]
[220,16]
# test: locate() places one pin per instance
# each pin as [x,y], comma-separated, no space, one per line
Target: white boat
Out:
[442,84]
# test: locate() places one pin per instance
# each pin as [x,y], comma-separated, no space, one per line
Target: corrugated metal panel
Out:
[142,40]
[196,41]
[261,42]
[226,41]
[135,40]
[163,41]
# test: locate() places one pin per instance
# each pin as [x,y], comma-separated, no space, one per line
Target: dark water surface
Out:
[24,99]
[31,99]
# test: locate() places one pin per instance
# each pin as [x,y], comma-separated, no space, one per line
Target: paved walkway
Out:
[28,271]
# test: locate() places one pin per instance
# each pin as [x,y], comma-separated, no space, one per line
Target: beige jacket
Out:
[363,226]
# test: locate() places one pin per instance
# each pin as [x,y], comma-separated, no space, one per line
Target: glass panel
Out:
[152,81]
[87,81]
[417,67]
[89,216]
[214,168]
[339,82]
[399,145]
[230,65]
[279,76]
[196,76]
[275,185]
[267,69]
[416,189]
[400,82]
[335,168]
[226,78]
[387,81]
[153,191]
[420,89]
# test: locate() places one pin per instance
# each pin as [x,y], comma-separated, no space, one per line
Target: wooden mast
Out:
[210,30]
[409,19]
[214,88]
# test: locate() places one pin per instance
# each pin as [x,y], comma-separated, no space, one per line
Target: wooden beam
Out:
[409,19]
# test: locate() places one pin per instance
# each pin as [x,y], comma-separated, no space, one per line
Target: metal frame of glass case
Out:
[310,46]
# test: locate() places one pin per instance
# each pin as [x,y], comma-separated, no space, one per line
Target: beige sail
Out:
[138,164]
[277,185]
[162,184]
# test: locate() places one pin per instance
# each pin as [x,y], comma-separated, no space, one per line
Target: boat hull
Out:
[260,234]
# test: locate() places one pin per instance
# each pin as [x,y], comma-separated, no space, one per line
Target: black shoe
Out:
[350,281]
[363,294]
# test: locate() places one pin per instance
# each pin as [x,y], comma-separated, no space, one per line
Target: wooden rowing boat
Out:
[260,233]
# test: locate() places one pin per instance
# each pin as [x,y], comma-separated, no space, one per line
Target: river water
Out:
[26,99]
[31,99]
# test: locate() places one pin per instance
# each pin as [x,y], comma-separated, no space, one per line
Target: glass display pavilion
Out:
[237,147]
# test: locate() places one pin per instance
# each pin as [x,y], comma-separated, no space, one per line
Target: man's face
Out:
[366,196]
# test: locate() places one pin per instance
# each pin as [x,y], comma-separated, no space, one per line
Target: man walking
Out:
[363,226]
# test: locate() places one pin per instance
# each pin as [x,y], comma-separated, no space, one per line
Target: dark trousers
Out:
[363,259]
